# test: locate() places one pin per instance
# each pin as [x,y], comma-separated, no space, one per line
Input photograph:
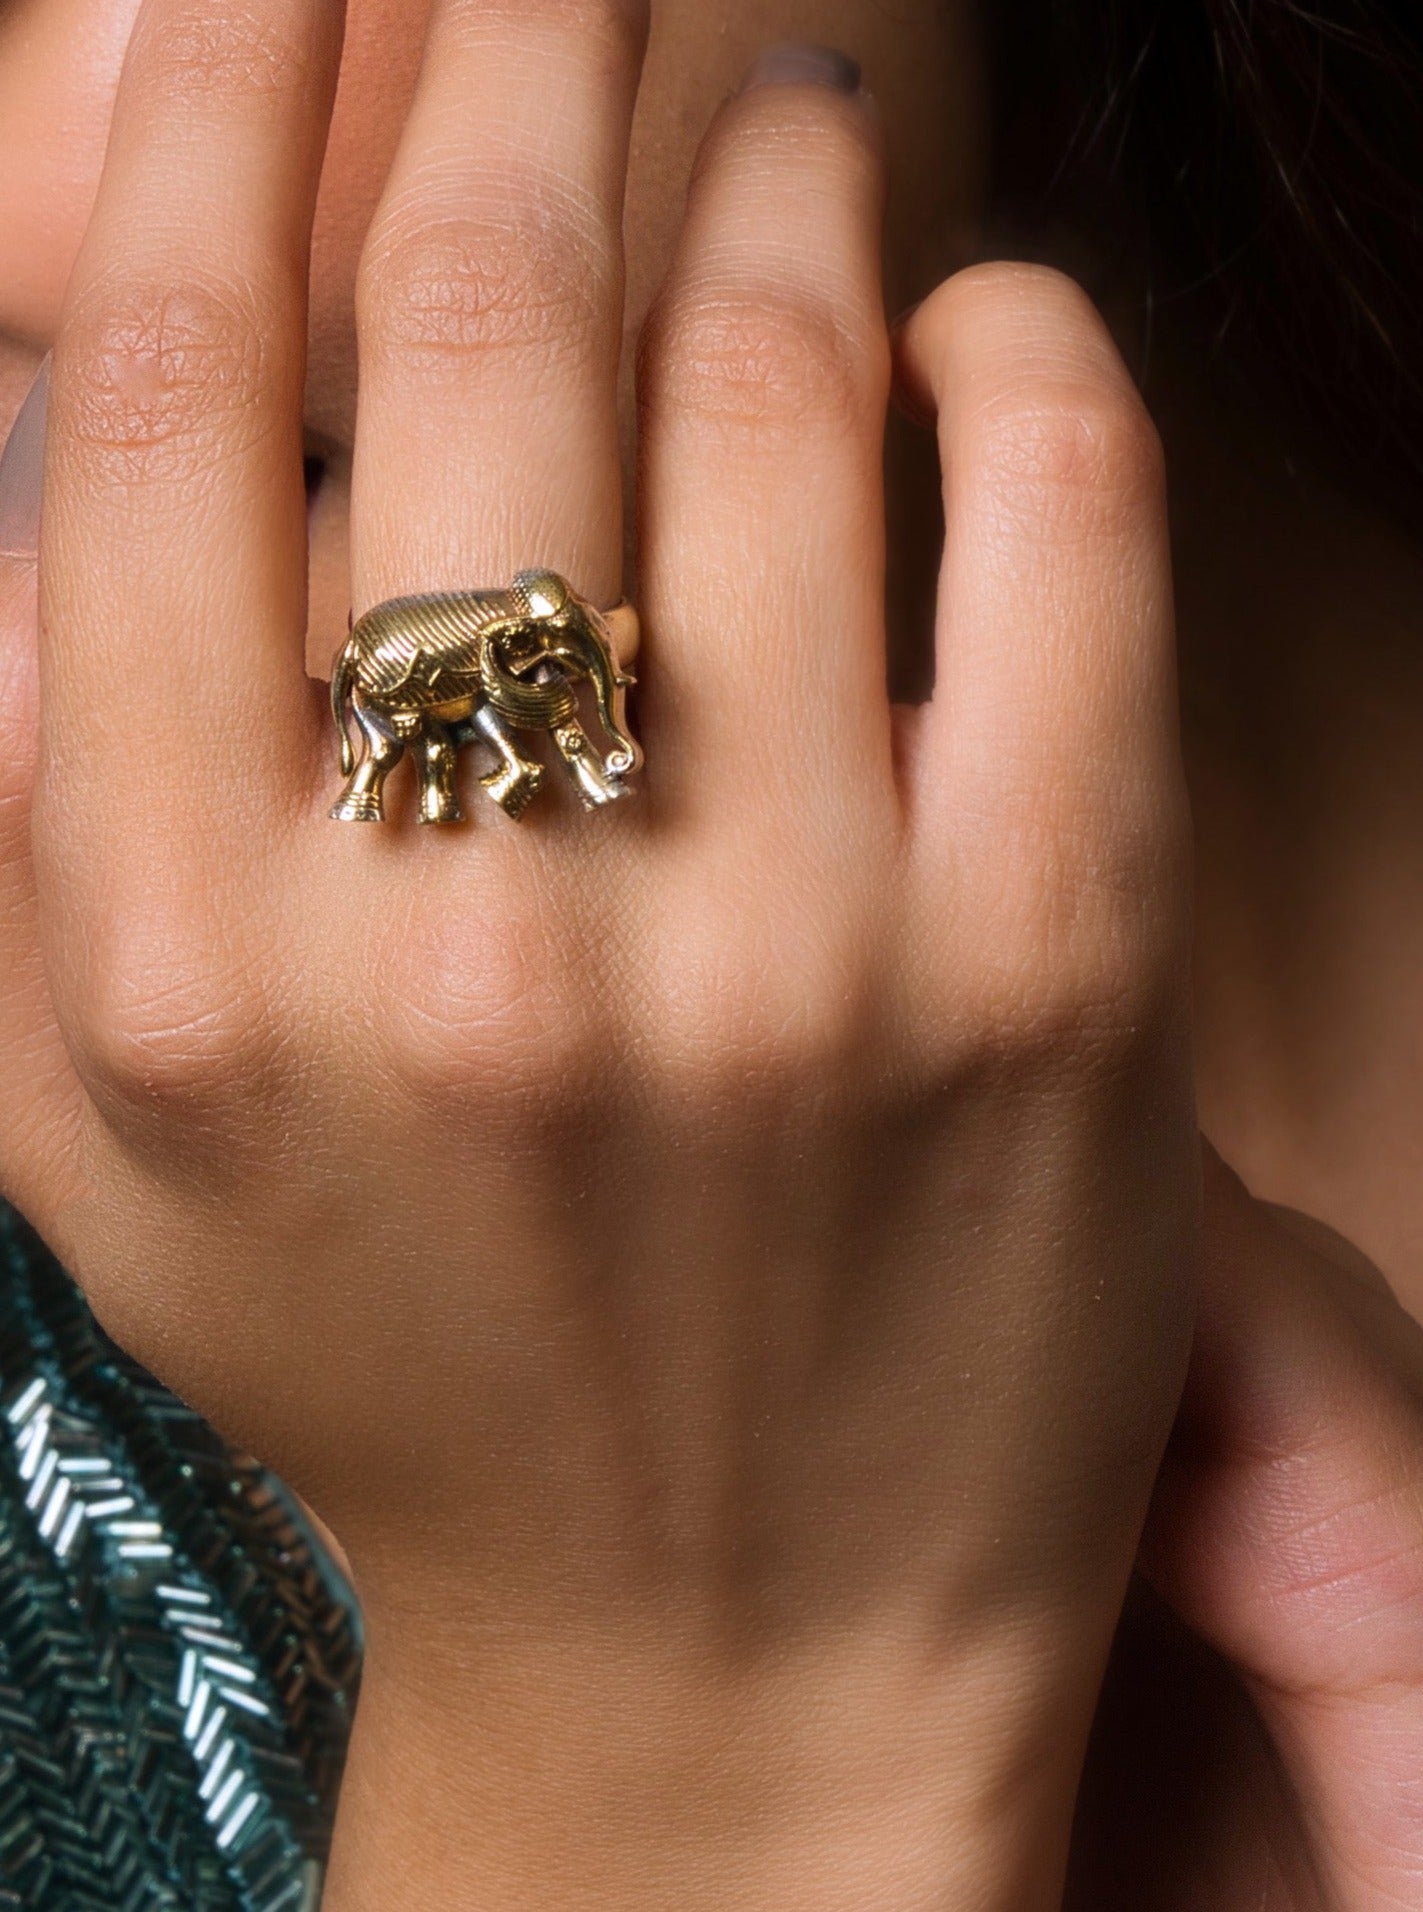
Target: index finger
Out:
[173,545]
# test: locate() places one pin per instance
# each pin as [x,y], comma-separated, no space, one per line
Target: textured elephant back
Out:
[178,1658]
[448,628]
[422,650]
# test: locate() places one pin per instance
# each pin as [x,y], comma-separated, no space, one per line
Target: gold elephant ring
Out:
[429,673]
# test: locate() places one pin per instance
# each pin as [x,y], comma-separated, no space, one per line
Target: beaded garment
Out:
[178,1655]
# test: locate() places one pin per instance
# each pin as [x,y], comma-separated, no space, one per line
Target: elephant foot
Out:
[440,809]
[594,793]
[359,806]
[513,786]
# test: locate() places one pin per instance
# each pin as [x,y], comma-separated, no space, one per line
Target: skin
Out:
[790,1194]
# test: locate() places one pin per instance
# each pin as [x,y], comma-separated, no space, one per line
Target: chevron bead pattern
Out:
[178,1659]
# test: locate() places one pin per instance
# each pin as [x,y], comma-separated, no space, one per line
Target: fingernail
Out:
[21,469]
[796,63]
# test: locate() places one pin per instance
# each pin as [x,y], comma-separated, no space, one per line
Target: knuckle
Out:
[164,1035]
[1069,458]
[756,1012]
[477,1021]
[1061,1012]
[193,54]
[816,136]
[435,288]
[769,365]
[1089,939]
[148,372]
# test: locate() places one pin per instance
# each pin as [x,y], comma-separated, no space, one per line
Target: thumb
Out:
[1289,1529]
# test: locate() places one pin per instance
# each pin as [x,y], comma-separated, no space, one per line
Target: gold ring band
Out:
[625,626]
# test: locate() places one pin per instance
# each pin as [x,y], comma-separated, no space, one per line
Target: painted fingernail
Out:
[796,63]
[21,469]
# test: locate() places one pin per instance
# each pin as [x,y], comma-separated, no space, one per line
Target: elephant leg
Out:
[595,785]
[363,799]
[439,800]
[516,779]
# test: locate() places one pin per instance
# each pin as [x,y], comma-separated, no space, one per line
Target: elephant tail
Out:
[341,676]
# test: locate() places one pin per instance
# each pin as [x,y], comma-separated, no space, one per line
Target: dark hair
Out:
[1271,154]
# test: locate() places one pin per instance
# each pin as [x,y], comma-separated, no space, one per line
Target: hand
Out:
[722,1266]
[1262,1739]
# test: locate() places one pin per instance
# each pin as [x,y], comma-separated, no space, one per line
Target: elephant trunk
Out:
[610,688]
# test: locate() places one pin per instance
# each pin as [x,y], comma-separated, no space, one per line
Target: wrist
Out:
[599,1774]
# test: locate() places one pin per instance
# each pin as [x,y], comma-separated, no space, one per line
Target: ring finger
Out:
[490,304]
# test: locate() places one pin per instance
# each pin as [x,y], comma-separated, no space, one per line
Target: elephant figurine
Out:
[430,673]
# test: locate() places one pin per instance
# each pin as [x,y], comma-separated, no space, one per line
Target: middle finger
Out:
[763,384]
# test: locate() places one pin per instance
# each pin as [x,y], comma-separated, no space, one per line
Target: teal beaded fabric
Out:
[178,1656]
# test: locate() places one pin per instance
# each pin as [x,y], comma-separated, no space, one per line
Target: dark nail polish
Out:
[797,64]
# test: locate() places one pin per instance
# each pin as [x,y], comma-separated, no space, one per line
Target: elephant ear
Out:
[530,706]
